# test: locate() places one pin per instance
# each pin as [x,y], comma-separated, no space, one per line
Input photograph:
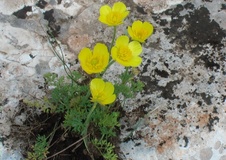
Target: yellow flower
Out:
[94,62]
[140,31]
[125,53]
[113,16]
[102,92]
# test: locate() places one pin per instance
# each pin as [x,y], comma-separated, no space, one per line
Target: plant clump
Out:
[88,102]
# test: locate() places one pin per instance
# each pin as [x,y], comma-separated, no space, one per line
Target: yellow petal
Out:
[100,50]
[122,41]
[84,54]
[130,31]
[125,14]
[119,7]
[102,92]
[149,27]
[102,19]
[114,52]
[97,85]
[135,62]
[109,100]
[86,69]
[137,25]
[105,10]
[108,89]
[123,63]
[135,47]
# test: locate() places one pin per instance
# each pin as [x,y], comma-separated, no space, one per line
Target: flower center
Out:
[114,18]
[94,63]
[124,54]
[142,33]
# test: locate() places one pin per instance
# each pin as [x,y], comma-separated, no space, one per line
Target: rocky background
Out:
[181,113]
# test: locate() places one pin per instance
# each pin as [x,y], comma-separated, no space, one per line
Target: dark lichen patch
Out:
[185,141]
[145,67]
[162,73]
[141,10]
[202,30]
[212,122]
[207,0]
[211,79]
[32,56]
[174,12]
[189,6]
[152,85]
[163,22]
[198,30]
[59,1]
[41,4]
[48,15]
[223,6]
[167,91]
[4,102]
[55,28]
[181,107]
[208,62]
[215,110]
[141,111]
[22,13]
[206,98]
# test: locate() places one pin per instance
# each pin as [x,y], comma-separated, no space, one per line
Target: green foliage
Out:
[129,85]
[105,148]
[74,119]
[73,99]
[64,91]
[106,122]
[137,86]
[40,149]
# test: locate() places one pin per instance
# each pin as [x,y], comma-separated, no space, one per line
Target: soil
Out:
[44,124]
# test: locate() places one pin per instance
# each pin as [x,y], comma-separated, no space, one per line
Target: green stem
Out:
[109,49]
[113,38]
[61,58]
[84,133]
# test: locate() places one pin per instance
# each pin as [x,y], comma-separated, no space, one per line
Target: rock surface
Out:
[180,115]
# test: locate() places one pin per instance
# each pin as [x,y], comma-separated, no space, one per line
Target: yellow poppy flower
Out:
[126,53]
[94,62]
[140,31]
[102,92]
[113,16]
